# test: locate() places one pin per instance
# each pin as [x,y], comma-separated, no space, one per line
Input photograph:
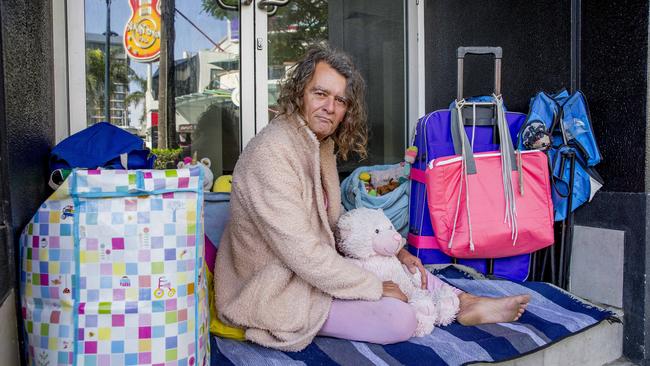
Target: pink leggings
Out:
[385,321]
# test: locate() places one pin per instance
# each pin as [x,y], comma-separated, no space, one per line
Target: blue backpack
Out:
[561,124]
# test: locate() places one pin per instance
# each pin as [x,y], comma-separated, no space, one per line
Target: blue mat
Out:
[551,316]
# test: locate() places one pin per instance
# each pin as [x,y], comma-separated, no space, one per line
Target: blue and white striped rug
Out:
[551,316]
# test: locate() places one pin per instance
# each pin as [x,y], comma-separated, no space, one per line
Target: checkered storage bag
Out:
[112,271]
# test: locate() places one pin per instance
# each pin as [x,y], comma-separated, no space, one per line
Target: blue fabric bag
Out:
[577,126]
[101,145]
[395,204]
[565,119]
[586,181]
[561,124]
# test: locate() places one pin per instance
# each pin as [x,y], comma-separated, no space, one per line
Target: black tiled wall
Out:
[535,37]
[613,72]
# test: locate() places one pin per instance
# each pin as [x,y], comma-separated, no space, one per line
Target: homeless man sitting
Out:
[277,273]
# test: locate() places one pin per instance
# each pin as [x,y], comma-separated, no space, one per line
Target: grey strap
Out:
[457,136]
[506,141]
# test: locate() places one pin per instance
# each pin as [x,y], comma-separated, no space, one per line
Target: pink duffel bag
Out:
[490,205]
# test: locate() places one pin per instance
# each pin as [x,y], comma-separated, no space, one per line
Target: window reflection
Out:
[207,79]
[373,33]
[206,83]
[120,71]
[290,32]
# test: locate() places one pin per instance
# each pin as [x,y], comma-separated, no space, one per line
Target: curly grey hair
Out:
[352,133]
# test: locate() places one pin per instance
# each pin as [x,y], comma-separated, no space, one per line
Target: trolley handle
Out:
[496,51]
[498,55]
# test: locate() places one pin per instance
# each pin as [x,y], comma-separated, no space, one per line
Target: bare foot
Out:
[476,310]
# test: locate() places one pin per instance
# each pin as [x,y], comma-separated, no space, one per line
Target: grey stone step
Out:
[600,345]
[622,362]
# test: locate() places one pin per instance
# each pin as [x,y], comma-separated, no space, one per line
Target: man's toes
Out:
[523,299]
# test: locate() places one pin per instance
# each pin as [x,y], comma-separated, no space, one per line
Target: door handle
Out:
[271,6]
[267,3]
[225,6]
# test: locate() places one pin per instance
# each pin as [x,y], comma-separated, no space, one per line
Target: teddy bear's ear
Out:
[343,226]
[345,231]
[206,162]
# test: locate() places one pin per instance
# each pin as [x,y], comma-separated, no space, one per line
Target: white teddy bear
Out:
[368,239]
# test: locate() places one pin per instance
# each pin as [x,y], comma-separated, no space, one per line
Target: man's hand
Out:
[392,290]
[413,263]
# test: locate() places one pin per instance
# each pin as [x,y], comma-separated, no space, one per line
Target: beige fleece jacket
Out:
[277,268]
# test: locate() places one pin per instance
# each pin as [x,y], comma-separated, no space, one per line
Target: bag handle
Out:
[558,124]
[461,142]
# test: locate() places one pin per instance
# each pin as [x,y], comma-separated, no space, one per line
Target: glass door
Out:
[206,75]
[230,57]
[373,33]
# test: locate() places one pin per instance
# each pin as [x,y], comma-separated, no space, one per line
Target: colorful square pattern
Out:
[131,291]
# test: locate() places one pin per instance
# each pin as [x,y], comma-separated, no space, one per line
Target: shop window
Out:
[206,66]
[207,70]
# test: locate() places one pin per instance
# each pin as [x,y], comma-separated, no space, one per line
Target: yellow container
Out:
[217,327]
